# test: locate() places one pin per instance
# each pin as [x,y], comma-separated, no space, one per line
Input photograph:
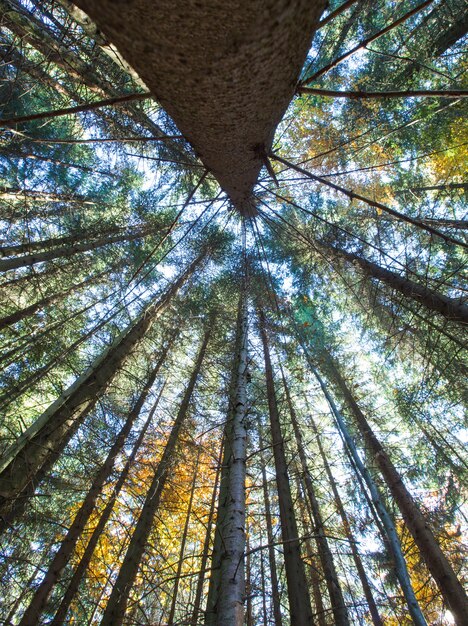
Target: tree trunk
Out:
[390,531]
[339,609]
[115,610]
[65,552]
[213,589]
[17,316]
[85,560]
[24,459]
[315,578]
[450,308]
[436,561]
[364,43]
[275,596]
[298,592]
[175,589]
[66,251]
[231,592]
[248,582]
[206,547]
[376,619]
[41,38]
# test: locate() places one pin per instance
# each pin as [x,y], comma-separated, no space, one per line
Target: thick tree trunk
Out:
[340,612]
[117,603]
[217,55]
[436,561]
[298,591]
[85,560]
[376,619]
[390,530]
[24,459]
[231,592]
[65,552]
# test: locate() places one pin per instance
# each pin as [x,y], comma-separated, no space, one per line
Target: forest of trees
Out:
[222,416]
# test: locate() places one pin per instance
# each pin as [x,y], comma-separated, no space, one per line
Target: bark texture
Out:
[224,71]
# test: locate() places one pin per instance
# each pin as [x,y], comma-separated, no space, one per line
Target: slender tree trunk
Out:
[17,316]
[248,582]
[298,592]
[264,591]
[23,195]
[231,593]
[369,201]
[23,460]
[426,93]
[53,242]
[320,613]
[206,547]
[365,42]
[338,11]
[117,603]
[376,619]
[275,596]
[61,251]
[85,560]
[450,308]
[175,589]
[339,609]
[436,561]
[67,547]
[390,531]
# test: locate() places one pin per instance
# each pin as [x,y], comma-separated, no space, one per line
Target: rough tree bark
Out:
[223,59]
